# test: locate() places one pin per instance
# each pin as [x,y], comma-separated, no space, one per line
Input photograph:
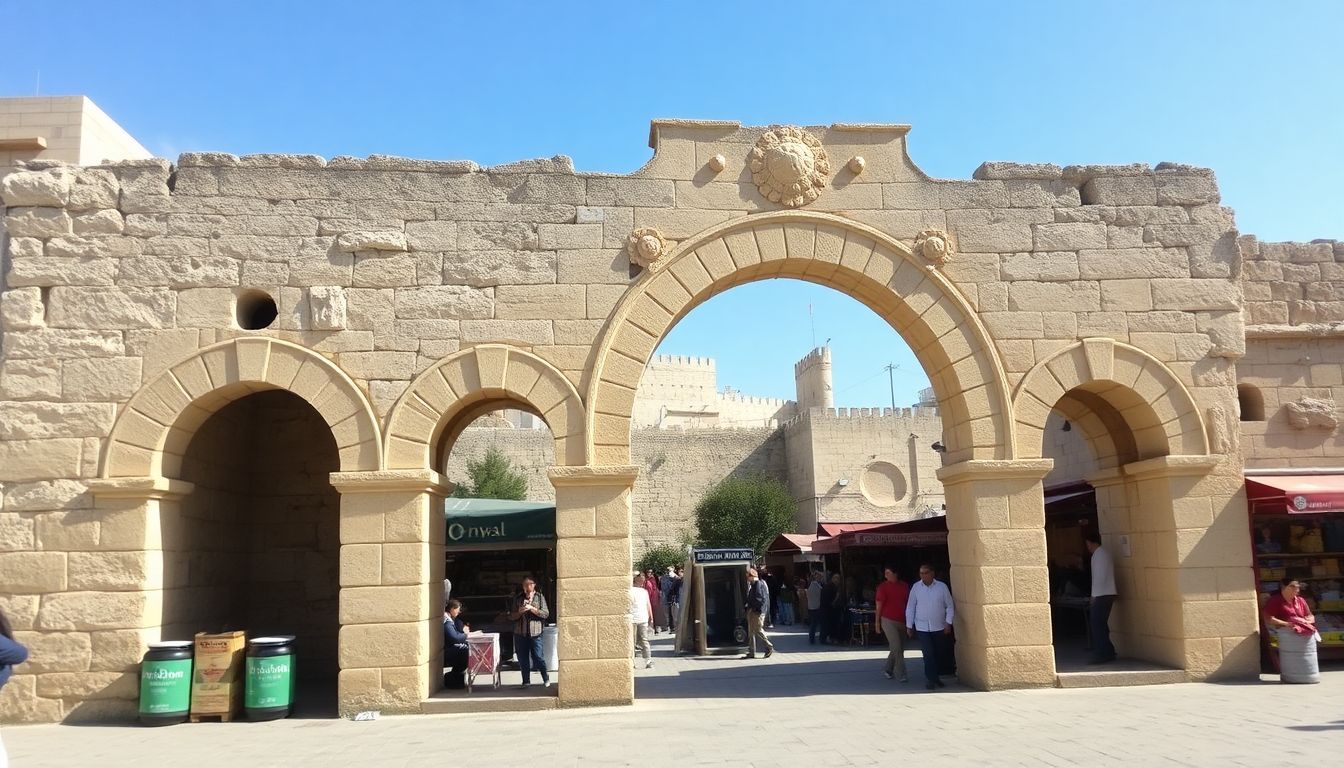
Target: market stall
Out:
[1297,532]
[491,545]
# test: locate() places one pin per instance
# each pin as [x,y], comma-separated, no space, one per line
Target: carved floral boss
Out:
[789,166]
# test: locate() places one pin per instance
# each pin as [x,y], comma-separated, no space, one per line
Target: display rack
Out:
[1294,546]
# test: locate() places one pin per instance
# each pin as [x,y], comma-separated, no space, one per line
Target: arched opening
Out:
[499,531]
[909,293]
[1251,402]
[441,411]
[256,545]
[837,412]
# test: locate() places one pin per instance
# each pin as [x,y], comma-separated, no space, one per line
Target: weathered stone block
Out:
[22,309]
[33,572]
[540,302]
[1119,264]
[570,236]
[112,308]
[37,222]
[105,222]
[56,651]
[384,604]
[16,533]
[480,269]
[327,307]
[46,272]
[443,302]
[94,189]
[32,460]
[1196,294]
[350,242]
[495,236]
[115,571]
[1176,187]
[384,645]
[99,610]
[38,420]
[37,188]
[1069,237]
[432,235]
[1120,190]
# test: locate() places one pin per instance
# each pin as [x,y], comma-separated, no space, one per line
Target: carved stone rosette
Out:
[645,246]
[789,166]
[934,245]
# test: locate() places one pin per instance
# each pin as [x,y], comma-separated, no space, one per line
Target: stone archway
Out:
[936,321]
[1156,490]
[154,428]
[444,399]
[592,514]
[143,502]
[1000,629]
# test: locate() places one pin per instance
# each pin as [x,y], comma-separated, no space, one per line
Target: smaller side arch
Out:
[152,432]
[1157,408]
[444,399]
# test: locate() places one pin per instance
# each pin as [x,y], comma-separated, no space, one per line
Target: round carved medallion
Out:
[934,245]
[645,245]
[882,484]
[789,166]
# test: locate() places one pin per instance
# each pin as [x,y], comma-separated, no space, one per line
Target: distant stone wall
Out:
[677,467]
[676,391]
[1291,380]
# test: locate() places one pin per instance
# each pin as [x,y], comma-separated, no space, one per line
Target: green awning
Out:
[494,521]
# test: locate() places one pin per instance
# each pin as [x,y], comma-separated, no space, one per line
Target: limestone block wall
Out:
[1293,372]
[682,392]
[384,266]
[864,464]
[812,378]
[1073,455]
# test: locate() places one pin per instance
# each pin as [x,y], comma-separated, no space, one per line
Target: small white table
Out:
[482,657]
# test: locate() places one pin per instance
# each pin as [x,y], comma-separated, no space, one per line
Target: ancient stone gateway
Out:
[322,331]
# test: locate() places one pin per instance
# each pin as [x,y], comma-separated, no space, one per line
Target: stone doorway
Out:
[255,545]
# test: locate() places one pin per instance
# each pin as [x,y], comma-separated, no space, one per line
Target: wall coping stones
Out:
[616,474]
[991,170]
[994,469]
[557,164]
[1089,172]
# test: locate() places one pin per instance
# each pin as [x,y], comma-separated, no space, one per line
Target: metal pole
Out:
[891,367]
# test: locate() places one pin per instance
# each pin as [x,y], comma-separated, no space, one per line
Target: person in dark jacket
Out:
[758,606]
[454,646]
[529,612]
[12,652]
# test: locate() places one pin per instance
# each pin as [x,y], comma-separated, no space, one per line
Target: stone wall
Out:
[682,392]
[70,128]
[1292,376]
[1111,288]
[864,464]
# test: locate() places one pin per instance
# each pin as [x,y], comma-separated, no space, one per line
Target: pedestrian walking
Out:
[892,598]
[651,586]
[928,614]
[1103,598]
[641,617]
[816,617]
[674,599]
[758,604]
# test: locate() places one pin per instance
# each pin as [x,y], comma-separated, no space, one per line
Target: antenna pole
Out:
[811,318]
[891,382]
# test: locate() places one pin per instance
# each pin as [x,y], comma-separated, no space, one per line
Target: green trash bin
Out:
[165,683]
[270,678]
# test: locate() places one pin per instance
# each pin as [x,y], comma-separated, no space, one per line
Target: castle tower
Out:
[812,377]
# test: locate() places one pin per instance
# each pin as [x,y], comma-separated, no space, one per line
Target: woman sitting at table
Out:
[455,654]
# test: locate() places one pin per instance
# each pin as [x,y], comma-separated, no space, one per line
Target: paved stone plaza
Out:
[810,706]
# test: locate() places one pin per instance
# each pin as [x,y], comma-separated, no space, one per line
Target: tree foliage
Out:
[660,556]
[747,511]
[492,477]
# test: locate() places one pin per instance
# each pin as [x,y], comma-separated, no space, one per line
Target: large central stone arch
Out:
[922,305]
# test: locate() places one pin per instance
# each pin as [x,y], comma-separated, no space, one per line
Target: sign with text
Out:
[727,555]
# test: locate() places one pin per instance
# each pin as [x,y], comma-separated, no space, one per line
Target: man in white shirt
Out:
[928,615]
[1103,598]
[815,612]
[641,618]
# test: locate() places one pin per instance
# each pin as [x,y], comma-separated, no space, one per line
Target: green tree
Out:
[492,477]
[659,556]
[747,511]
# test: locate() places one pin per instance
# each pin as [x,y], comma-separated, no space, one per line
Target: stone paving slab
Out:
[807,705]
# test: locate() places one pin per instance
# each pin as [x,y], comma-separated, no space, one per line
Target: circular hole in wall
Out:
[256,310]
[882,483]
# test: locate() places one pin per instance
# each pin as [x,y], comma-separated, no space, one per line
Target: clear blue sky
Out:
[1251,89]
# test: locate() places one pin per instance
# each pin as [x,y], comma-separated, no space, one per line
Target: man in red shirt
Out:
[889,620]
